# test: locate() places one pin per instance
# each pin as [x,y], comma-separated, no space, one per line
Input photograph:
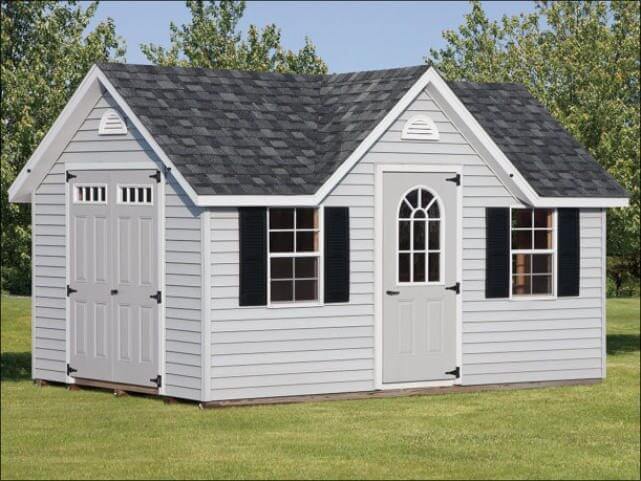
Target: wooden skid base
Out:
[430,391]
[118,389]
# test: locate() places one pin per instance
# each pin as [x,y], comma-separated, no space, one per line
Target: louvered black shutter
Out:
[497,255]
[569,252]
[336,254]
[253,256]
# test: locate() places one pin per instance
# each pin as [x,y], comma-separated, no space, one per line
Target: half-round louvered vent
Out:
[111,123]
[420,127]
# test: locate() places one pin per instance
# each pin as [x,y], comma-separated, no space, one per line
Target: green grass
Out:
[569,432]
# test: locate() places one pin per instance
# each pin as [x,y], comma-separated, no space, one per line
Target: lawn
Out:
[569,432]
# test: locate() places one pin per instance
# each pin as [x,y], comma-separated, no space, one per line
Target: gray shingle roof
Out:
[235,133]
[231,132]
[549,158]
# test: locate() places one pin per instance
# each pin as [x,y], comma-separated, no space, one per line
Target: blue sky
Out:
[348,35]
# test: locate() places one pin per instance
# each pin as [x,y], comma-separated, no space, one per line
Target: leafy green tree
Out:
[212,39]
[45,53]
[581,60]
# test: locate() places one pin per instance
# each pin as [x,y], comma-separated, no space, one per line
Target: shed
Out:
[225,235]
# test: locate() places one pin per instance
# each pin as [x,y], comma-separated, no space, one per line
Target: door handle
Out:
[114,292]
[392,293]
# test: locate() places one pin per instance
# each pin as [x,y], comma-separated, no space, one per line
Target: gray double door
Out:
[114,271]
[420,268]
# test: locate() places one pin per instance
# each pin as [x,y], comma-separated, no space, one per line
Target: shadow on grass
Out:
[620,343]
[15,366]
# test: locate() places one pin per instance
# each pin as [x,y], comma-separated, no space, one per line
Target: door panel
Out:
[419,262]
[114,268]
[90,306]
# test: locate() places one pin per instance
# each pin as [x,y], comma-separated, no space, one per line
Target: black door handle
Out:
[392,293]
[114,292]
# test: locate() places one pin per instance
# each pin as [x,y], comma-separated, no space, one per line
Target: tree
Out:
[581,60]
[44,54]
[213,40]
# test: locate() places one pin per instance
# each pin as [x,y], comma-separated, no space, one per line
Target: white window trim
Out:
[135,186]
[318,254]
[553,251]
[92,202]
[441,220]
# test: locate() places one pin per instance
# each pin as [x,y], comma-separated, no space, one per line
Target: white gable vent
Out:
[111,123]
[420,127]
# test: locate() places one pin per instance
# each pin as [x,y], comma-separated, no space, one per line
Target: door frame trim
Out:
[160,197]
[381,169]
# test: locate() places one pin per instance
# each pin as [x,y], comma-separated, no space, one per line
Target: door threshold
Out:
[418,384]
[116,386]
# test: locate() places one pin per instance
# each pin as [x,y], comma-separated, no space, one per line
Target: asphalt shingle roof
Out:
[258,133]
[549,158]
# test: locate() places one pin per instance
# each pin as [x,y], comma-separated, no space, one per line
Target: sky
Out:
[349,36]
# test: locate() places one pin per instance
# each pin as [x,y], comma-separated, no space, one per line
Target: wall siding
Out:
[261,352]
[182,254]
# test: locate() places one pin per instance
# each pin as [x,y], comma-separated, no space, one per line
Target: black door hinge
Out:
[455,372]
[155,176]
[456,288]
[70,176]
[157,380]
[70,370]
[70,290]
[157,296]
[456,179]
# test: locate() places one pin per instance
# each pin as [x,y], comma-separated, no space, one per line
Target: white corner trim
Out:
[205,281]
[420,127]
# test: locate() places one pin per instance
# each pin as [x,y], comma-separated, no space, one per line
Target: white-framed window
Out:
[294,265]
[90,193]
[138,194]
[419,258]
[533,252]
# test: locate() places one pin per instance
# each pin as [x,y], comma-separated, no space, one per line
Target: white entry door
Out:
[419,276]
[114,276]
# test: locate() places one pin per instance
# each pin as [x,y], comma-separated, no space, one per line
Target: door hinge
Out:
[456,179]
[70,290]
[454,372]
[157,296]
[157,380]
[70,370]
[456,288]
[70,176]
[155,176]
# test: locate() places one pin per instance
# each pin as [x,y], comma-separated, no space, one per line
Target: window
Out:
[419,238]
[532,248]
[90,194]
[294,255]
[135,194]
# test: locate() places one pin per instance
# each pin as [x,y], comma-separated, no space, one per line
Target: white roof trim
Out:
[25,182]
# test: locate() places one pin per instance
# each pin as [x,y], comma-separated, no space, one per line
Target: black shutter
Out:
[336,254]
[253,256]
[497,255]
[568,252]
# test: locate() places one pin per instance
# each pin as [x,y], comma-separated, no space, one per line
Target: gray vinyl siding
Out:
[49,282]
[260,351]
[182,260]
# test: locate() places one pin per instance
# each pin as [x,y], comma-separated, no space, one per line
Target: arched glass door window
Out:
[419,238]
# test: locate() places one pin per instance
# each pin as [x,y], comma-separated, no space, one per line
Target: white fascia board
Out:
[582,202]
[32,173]
[257,201]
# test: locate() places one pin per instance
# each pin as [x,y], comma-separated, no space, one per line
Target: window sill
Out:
[286,305]
[533,298]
